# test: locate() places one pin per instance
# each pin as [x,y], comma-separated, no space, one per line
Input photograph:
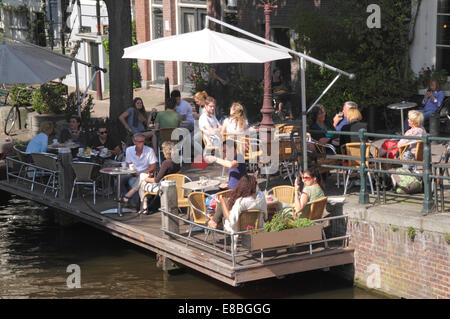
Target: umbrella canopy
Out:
[22,63]
[205,46]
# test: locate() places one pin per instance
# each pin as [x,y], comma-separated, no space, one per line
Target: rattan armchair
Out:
[284,193]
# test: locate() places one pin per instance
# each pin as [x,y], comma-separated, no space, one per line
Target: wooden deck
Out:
[145,231]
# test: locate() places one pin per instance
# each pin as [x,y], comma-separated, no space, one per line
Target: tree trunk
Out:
[213,9]
[120,71]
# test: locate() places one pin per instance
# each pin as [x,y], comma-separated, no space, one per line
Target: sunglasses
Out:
[306,178]
[104,132]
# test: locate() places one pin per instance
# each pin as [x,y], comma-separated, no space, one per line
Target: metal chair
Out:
[84,175]
[25,159]
[48,166]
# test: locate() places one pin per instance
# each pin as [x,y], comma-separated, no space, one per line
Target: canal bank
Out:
[397,250]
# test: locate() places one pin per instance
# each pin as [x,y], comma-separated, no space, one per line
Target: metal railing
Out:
[234,252]
[427,174]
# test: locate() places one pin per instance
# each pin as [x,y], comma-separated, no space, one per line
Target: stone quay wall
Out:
[398,251]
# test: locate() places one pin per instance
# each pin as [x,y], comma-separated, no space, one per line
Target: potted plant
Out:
[283,230]
[427,74]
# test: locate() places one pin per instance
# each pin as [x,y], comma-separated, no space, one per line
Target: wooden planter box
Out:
[288,237]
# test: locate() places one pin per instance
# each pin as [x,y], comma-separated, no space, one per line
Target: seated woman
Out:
[200,101]
[415,121]
[74,132]
[354,118]
[151,184]
[244,197]
[311,191]
[319,124]
[236,123]
[135,120]
[39,142]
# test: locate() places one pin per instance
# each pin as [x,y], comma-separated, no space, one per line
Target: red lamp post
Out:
[267,110]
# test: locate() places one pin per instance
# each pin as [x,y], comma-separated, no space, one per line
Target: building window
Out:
[443,36]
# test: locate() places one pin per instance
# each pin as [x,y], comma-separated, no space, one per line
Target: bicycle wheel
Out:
[10,120]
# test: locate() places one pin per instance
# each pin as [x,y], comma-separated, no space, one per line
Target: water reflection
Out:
[35,252]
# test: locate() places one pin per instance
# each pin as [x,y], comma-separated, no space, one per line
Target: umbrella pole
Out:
[77,87]
[303,93]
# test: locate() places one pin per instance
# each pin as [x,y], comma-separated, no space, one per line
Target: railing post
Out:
[363,194]
[169,203]
[427,200]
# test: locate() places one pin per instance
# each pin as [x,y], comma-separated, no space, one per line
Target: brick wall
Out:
[143,35]
[169,17]
[387,260]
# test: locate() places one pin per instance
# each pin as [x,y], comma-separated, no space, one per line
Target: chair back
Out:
[284,193]
[224,194]
[166,134]
[249,218]
[45,160]
[418,155]
[317,208]
[22,154]
[198,207]
[84,171]
[353,149]
[179,179]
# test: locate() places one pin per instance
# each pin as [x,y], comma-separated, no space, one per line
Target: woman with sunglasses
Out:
[312,190]
[103,139]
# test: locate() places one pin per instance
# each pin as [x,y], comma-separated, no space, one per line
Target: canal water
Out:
[35,253]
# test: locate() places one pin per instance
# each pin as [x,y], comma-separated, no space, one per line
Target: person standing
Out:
[219,78]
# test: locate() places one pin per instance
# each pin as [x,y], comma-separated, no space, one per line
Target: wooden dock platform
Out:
[145,231]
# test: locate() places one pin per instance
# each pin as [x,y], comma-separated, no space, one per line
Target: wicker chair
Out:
[179,180]
[353,149]
[284,193]
[208,147]
[49,164]
[84,175]
[249,218]
[198,208]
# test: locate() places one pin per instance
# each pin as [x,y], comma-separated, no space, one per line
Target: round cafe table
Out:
[117,171]
[402,106]
[197,186]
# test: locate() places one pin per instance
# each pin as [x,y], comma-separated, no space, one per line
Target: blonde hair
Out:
[167,148]
[201,96]
[416,117]
[353,115]
[238,115]
[45,126]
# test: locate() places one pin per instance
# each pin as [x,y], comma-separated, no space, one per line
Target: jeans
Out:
[126,183]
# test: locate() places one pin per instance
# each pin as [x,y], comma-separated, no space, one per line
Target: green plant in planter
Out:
[284,220]
[49,98]
[86,107]
[431,74]
[25,96]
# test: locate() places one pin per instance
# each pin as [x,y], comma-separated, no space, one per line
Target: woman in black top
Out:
[319,125]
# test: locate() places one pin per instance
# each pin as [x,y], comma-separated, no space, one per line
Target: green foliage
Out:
[378,57]
[411,233]
[199,77]
[427,74]
[85,108]
[25,96]
[447,238]
[284,220]
[49,98]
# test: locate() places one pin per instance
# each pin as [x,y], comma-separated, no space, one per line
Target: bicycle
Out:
[14,112]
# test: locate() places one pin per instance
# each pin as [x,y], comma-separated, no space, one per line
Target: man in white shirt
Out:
[209,124]
[184,109]
[143,159]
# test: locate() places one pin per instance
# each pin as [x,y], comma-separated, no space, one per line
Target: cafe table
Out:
[201,185]
[402,106]
[117,171]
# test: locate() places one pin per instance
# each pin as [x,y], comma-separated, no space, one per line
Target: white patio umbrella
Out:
[205,46]
[30,64]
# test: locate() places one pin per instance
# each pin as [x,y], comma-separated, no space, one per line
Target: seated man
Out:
[209,124]
[340,119]
[74,132]
[184,109]
[102,140]
[144,160]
